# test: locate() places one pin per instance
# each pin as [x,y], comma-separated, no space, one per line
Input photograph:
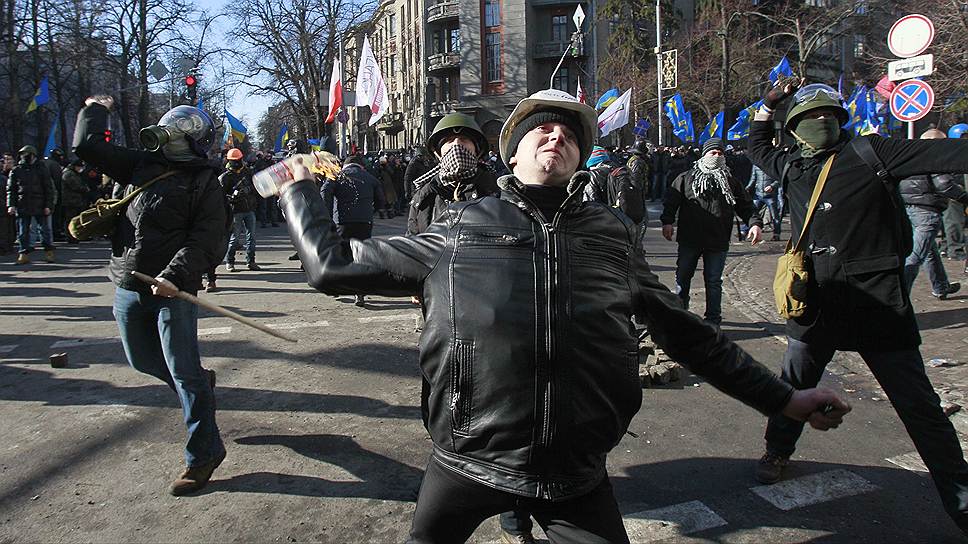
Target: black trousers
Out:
[358,231]
[450,507]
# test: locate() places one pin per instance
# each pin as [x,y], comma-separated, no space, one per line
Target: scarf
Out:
[457,165]
[710,175]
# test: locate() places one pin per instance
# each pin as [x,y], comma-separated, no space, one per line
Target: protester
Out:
[526,402]
[237,183]
[766,193]
[173,231]
[74,193]
[856,299]
[701,202]
[8,227]
[30,197]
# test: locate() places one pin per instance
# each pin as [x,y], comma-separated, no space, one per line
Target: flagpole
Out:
[658,65]
[342,125]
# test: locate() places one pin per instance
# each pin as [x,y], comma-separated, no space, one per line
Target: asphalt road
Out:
[324,437]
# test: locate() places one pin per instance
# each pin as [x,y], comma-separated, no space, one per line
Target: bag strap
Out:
[814,198]
[144,186]
[864,149]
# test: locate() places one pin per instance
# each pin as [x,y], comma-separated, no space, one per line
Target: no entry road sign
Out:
[912,100]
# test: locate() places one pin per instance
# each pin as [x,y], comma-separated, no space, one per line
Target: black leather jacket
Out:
[528,345]
[175,228]
[932,191]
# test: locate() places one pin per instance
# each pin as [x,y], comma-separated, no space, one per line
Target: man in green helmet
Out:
[857,242]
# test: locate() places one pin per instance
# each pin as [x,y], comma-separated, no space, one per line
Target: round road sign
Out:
[912,100]
[910,35]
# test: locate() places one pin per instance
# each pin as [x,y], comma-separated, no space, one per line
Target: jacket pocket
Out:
[462,386]
[874,282]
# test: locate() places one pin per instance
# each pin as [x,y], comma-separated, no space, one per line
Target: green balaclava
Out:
[816,135]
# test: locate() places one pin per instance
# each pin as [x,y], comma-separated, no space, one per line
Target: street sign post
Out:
[920,66]
[669,70]
[578,17]
[910,36]
[158,70]
[912,100]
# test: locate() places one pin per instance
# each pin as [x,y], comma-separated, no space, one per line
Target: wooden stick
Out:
[217,309]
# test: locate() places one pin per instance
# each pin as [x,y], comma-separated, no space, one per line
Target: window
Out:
[392,23]
[559,28]
[492,13]
[562,81]
[438,45]
[454,42]
[492,44]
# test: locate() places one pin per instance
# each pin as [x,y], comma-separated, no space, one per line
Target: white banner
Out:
[615,115]
[371,89]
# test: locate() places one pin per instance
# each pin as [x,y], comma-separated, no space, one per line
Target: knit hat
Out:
[713,143]
[541,117]
[598,156]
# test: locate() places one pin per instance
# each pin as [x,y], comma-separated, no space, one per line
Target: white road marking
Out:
[8,348]
[813,489]
[80,342]
[395,317]
[908,461]
[214,330]
[678,519]
[298,325]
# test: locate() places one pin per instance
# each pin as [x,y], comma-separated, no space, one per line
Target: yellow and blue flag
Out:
[857,107]
[606,99]
[782,68]
[41,97]
[714,129]
[282,138]
[238,129]
[676,112]
[741,128]
[314,144]
[690,128]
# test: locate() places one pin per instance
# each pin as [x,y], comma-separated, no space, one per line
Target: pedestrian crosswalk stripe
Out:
[813,489]
[410,316]
[667,522]
[214,330]
[8,348]
[298,325]
[908,461]
[80,342]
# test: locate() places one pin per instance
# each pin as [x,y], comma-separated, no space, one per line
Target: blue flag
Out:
[741,128]
[641,128]
[52,137]
[314,144]
[201,104]
[606,99]
[714,129]
[41,97]
[282,138]
[781,69]
[676,112]
[857,107]
[690,128]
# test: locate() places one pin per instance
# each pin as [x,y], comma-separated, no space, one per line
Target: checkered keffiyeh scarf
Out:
[457,165]
[711,175]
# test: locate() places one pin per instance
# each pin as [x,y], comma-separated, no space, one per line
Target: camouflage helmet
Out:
[814,97]
[458,123]
[28,150]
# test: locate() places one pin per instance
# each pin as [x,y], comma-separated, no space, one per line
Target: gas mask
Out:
[183,134]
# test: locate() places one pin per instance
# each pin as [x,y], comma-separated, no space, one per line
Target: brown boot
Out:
[770,467]
[195,478]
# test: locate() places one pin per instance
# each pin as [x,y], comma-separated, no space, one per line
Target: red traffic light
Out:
[191,80]
[107,135]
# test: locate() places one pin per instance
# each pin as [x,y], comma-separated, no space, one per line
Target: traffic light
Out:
[191,88]
[107,135]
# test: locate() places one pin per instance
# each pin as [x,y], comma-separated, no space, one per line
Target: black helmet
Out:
[641,148]
[27,150]
[458,123]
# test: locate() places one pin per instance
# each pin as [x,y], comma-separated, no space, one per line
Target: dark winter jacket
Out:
[239,189]
[175,228]
[932,191]
[431,199]
[74,190]
[856,299]
[527,347]
[353,195]
[759,181]
[419,166]
[640,170]
[705,222]
[30,189]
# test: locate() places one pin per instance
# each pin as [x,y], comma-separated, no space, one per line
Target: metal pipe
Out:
[658,65]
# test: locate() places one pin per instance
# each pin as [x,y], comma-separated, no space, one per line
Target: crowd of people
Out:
[529,263]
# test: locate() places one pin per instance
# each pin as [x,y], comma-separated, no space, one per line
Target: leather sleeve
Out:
[944,186]
[703,348]
[390,266]
[206,240]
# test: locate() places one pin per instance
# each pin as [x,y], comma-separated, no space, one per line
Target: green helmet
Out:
[28,149]
[814,97]
[458,123]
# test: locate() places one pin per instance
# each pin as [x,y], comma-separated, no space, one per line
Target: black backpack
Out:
[626,195]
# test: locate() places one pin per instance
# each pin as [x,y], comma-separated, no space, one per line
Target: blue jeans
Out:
[244,221]
[713,263]
[160,338]
[926,225]
[24,234]
[901,375]
[773,203]
[516,522]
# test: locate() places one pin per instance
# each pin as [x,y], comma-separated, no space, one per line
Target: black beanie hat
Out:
[541,117]
[713,143]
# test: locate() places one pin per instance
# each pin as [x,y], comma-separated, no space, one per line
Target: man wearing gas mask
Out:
[173,230]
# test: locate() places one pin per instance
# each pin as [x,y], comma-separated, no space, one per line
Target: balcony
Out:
[443,107]
[553,2]
[391,123]
[442,11]
[549,50]
[443,61]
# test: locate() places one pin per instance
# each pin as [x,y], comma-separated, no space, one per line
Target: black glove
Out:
[784,88]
